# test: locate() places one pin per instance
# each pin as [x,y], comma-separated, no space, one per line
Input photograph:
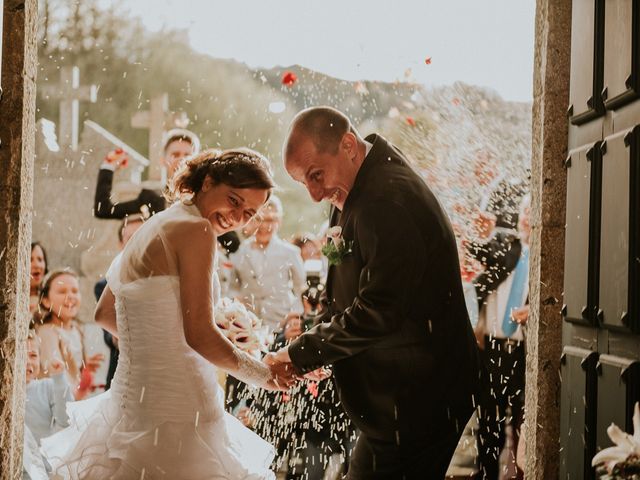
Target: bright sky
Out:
[480,42]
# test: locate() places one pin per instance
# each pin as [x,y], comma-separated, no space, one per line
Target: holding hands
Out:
[285,374]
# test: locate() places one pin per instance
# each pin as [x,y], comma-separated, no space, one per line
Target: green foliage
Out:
[335,254]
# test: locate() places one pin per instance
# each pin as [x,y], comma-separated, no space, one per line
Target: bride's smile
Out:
[228,208]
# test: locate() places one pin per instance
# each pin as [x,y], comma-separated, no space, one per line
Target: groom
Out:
[395,326]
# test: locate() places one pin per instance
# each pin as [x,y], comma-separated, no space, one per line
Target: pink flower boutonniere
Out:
[336,247]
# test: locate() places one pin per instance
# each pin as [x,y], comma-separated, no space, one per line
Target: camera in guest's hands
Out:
[311,295]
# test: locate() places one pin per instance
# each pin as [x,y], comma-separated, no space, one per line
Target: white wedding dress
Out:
[164,416]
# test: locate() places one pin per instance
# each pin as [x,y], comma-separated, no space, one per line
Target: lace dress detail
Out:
[163,417]
[251,371]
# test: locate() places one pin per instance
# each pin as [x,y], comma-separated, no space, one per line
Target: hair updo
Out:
[236,167]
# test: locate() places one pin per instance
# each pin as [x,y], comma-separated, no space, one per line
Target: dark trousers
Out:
[419,458]
[502,404]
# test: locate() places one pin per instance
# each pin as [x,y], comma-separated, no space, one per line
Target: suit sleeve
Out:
[104,208]
[394,258]
[499,257]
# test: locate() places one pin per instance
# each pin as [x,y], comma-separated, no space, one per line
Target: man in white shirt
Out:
[268,273]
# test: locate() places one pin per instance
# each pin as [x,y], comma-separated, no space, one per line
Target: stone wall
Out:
[548,188]
[17,116]
[63,221]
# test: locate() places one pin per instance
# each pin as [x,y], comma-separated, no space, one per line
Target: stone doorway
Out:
[551,85]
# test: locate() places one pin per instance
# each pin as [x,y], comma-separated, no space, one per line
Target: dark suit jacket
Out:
[499,256]
[397,333]
[155,202]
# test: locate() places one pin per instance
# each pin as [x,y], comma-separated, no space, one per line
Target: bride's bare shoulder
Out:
[194,231]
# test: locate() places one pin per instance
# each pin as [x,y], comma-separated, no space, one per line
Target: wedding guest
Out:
[315,269]
[126,230]
[503,191]
[46,398]
[61,335]
[310,248]
[495,221]
[37,273]
[268,274]
[502,319]
[178,145]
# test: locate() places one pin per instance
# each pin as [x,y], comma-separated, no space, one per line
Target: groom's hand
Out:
[318,375]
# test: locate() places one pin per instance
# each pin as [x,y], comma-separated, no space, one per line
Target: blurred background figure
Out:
[502,320]
[38,271]
[268,273]
[61,334]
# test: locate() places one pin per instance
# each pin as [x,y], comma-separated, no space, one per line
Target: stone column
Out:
[17,133]
[548,188]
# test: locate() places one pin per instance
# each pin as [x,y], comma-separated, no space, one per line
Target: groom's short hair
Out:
[325,126]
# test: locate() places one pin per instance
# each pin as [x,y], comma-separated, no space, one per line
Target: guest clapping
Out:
[60,333]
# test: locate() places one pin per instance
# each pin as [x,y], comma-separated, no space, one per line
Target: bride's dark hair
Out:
[236,167]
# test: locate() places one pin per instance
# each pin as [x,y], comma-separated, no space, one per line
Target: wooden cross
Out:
[70,93]
[157,120]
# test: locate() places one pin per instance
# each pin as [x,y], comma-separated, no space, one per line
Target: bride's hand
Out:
[283,374]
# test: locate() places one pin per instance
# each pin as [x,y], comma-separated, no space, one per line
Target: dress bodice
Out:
[158,372]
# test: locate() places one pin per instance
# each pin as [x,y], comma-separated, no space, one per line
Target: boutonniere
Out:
[336,247]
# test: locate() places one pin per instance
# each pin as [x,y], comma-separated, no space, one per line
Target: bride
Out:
[163,417]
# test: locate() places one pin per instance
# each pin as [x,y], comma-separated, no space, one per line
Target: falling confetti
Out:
[427,61]
[411,121]
[289,78]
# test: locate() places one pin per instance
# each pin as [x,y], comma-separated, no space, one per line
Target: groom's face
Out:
[327,175]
